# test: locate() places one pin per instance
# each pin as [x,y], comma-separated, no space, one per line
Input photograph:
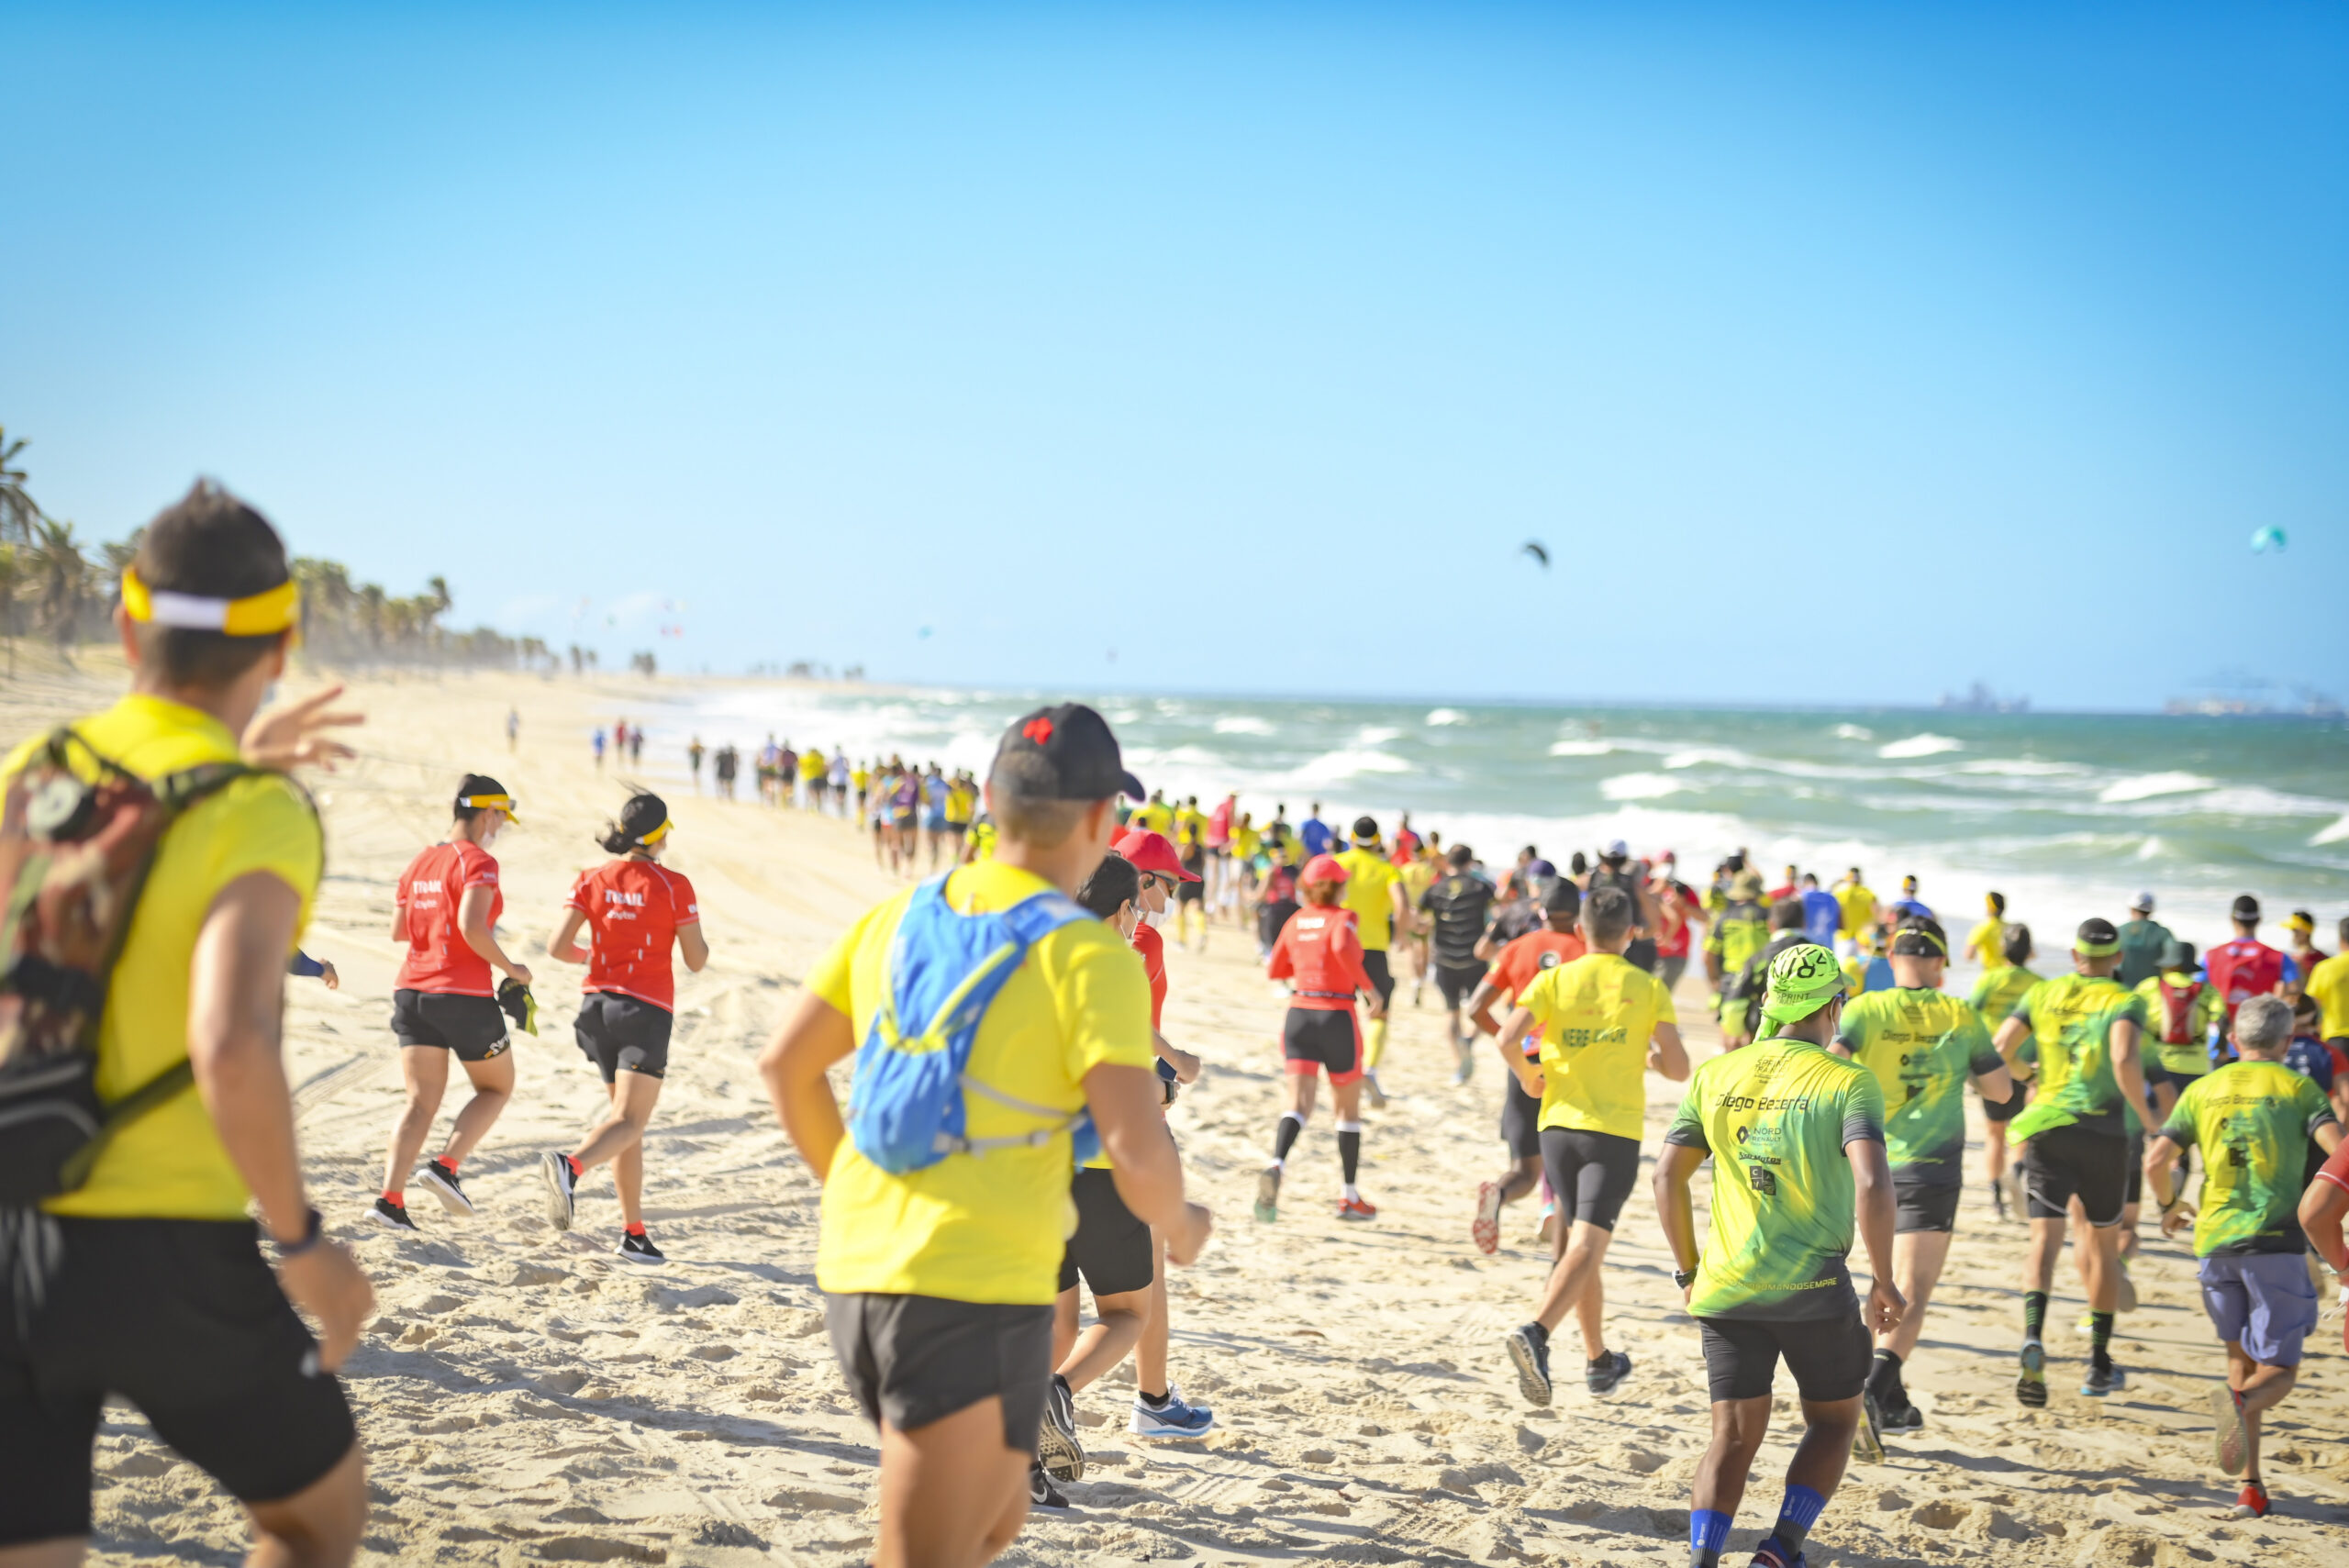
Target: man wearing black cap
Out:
[1458,903]
[939,1278]
[2074,1142]
[2247,967]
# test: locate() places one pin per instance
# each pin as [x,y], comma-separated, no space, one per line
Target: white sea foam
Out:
[1719,756]
[2145,786]
[1853,732]
[1375,735]
[1639,786]
[1347,762]
[2022,768]
[1925,745]
[1441,716]
[2151,848]
[1242,724]
[2332,835]
[1581,748]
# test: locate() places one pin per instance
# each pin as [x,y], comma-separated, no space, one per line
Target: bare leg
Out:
[1573,1276]
[1523,1178]
[1117,1328]
[1739,1426]
[952,1495]
[1151,1372]
[492,1083]
[425,1069]
[619,1138]
[2262,1387]
[2039,1261]
[1918,1257]
[318,1526]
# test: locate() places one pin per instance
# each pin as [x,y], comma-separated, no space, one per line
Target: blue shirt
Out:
[1904,908]
[1316,834]
[2309,1058]
[1821,916]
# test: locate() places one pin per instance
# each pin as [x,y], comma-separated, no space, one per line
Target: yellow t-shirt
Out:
[1186,819]
[811,764]
[1987,943]
[2329,984]
[1155,817]
[1859,907]
[1368,877]
[1596,1015]
[983,1228]
[168,1164]
[1245,843]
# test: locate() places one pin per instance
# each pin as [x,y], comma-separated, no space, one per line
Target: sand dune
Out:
[526,1397]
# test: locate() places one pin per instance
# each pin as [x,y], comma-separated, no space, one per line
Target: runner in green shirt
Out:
[1995,996]
[2253,1118]
[2182,1013]
[1922,1046]
[1797,1140]
[2086,1025]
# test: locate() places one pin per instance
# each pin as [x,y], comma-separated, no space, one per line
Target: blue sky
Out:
[1837,354]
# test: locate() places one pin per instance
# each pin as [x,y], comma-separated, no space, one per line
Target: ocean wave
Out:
[1376,734]
[1925,745]
[1639,786]
[1243,724]
[1445,716]
[1581,748]
[2022,768]
[2332,835]
[1853,732]
[2145,786]
[1347,762]
[1719,756]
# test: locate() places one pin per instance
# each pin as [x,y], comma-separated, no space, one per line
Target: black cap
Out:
[2096,931]
[1076,742]
[1920,937]
[1366,830]
[643,814]
[2177,954]
[2245,908]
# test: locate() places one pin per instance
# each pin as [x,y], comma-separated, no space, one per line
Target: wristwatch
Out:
[1684,1278]
[313,1230]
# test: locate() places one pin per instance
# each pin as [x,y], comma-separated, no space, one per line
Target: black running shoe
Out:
[394,1215]
[1056,1444]
[639,1249]
[1529,1349]
[1041,1492]
[438,1180]
[1903,1417]
[1601,1376]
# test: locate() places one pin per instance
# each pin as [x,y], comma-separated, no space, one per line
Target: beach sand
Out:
[525,1396]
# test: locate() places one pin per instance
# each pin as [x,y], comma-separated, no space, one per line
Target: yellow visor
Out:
[504,802]
[256,614]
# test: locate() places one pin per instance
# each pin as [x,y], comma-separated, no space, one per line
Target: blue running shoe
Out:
[1173,1419]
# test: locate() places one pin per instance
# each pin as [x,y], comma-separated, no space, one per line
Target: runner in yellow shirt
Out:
[1987,943]
[1604,1026]
[1374,892]
[939,1272]
[1859,907]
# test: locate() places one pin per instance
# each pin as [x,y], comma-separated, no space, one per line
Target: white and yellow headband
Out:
[256,614]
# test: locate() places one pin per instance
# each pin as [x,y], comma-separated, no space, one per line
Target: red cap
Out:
[1151,851]
[1322,868]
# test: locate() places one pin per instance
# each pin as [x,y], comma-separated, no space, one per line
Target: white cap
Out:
[2142,903]
[1616,848]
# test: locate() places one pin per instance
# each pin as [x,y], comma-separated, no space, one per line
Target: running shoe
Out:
[1056,1445]
[394,1215]
[563,1188]
[1529,1348]
[2231,1442]
[1486,1228]
[639,1249]
[1268,1195]
[1772,1554]
[1998,1198]
[1867,1438]
[1902,1418]
[2103,1380]
[2017,1204]
[1173,1419]
[1354,1208]
[1601,1376]
[1041,1492]
[2032,1386]
[2250,1503]
[1372,1093]
[438,1180]
[1465,1070]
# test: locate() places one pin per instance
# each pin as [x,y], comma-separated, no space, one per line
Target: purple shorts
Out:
[2264,1300]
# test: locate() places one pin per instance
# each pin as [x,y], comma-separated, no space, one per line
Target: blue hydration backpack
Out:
[913,1069]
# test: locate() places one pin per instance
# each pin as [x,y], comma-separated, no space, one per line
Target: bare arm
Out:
[2127,1070]
[1480,1006]
[399,924]
[1872,1183]
[473,924]
[2322,1207]
[2161,1157]
[2008,1039]
[562,946]
[814,1036]
[1674,1164]
[235,1009]
[1185,1065]
[1512,1050]
[1149,1173]
[1668,1055]
[693,947]
[1997,1086]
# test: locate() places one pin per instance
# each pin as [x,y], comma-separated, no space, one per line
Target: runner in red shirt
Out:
[635,911]
[2247,967]
[2322,1207]
[1319,953]
[444,1002]
[1515,967]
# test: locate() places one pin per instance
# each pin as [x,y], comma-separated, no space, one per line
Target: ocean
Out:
[2069,815]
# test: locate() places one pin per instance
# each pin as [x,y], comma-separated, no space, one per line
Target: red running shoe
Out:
[1486,1228]
[2250,1503]
[1354,1208]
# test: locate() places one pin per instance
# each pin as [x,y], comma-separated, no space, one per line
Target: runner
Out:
[934,814]
[2259,1115]
[1993,1001]
[1612,871]
[444,1001]
[635,910]
[155,1290]
[1822,916]
[1738,932]
[2181,1014]
[1418,872]
[1514,970]
[813,768]
[2086,1026]
[1987,943]
[2142,939]
[1923,1046]
[2329,984]
[1908,906]
[1603,1025]
[1319,953]
[598,743]
[1456,909]
[1680,914]
[2247,967]
[693,754]
[938,1270]
[1190,893]
[1373,891]
[1275,899]
[1740,1007]
[1858,904]
[513,731]
[1797,1140]
[1314,835]
[961,804]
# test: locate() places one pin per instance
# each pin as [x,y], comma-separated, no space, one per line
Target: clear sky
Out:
[1837,354]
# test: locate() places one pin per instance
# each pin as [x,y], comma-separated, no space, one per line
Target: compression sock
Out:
[2100,1339]
[1796,1515]
[1285,1138]
[1708,1533]
[1884,1377]
[393,1196]
[1349,1151]
[636,1229]
[2034,1314]
[450,1161]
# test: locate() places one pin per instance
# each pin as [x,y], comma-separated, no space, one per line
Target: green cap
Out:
[1803,979]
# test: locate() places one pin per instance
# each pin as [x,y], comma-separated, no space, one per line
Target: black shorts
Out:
[1189,891]
[912,1360]
[2137,1167]
[1456,983]
[1924,1206]
[1374,964]
[1830,1357]
[1111,1248]
[2068,1161]
[472,1027]
[182,1318]
[1591,1174]
[1271,918]
[1520,1120]
[1322,1036]
[2181,1082]
[622,1034]
[2004,1110]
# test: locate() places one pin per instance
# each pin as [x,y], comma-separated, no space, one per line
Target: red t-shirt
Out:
[1153,948]
[1517,966]
[1280,885]
[1321,951]
[439,958]
[2245,968]
[634,908]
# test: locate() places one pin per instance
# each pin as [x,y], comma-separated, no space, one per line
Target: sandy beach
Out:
[526,1397]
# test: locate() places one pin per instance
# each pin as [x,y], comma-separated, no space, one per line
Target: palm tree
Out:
[12,567]
[19,511]
[64,575]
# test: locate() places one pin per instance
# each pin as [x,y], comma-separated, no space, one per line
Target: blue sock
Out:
[1708,1533]
[1797,1515]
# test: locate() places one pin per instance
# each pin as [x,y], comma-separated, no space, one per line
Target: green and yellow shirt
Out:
[2254,1120]
[1776,1117]
[2072,1017]
[1921,1045]
[1995,993]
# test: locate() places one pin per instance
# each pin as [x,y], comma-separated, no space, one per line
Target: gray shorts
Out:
[2264,1301]
[912,1360]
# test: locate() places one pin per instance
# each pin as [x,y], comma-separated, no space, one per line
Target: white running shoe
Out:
[1173,1419]
[561,1188]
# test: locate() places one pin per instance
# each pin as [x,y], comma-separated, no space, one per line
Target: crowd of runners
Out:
[1007,1143]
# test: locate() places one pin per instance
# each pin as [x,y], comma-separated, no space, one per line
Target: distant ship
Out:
[1980,698]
